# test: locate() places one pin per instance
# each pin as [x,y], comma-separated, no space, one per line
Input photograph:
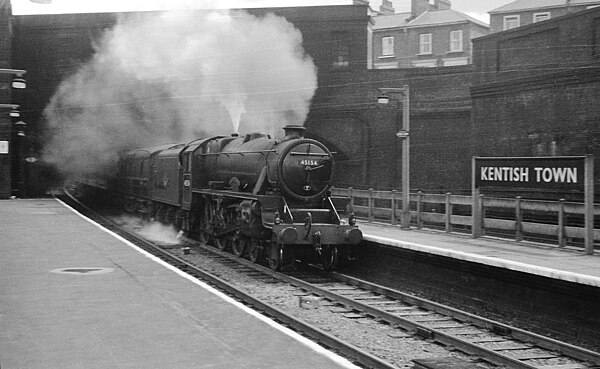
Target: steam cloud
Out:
[174,77]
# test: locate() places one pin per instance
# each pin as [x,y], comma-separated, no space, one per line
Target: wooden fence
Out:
[560,222]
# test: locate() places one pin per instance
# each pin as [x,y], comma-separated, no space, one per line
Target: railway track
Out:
[372,325]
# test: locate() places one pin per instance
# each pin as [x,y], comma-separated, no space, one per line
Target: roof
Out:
[390,21]
[522,5]
[428,18]
[435,17]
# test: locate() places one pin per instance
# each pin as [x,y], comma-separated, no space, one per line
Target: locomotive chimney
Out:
[293,131]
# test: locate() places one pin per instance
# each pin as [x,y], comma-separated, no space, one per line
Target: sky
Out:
[475,8]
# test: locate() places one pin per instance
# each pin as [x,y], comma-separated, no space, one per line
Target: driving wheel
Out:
[222,242]
[255,251]
[238,245]
[330,257]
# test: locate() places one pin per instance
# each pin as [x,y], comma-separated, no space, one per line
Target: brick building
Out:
[529,92]
[431,35]
[524,12]
[344,112]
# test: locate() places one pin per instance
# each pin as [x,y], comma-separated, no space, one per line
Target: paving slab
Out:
[75,296]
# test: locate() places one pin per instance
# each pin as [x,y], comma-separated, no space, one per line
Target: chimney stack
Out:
[387,8]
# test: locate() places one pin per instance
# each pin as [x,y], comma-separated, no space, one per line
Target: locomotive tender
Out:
[253,194]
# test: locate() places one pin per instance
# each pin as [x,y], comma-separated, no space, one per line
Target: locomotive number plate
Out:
[309,163]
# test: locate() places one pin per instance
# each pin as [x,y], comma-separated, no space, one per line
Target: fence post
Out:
[476,214]
[351,198]
[561,223]
[419,209]
[589,204]
[371,205]
[518,219]
[482,214]
[448,213]
[393,216]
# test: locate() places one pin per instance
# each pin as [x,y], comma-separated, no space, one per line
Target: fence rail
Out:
[558,222]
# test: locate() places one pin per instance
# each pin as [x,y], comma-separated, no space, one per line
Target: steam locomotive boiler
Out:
[259,196]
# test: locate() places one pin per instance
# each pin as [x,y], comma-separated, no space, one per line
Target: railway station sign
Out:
[563,173]
[555,173]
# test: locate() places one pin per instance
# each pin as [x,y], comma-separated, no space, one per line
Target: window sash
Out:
[538,17]
[456,40]
[387,46]
[425,43]
[511,21]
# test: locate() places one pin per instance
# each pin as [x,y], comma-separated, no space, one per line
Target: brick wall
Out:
[345,114]
[542,100]
[456,112]
[558,44]
[526,17]
[406,43]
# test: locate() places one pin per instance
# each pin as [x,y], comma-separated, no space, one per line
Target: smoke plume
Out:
[174,77]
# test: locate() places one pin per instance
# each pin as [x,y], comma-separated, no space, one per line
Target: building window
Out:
[425,43]
[511,21]
[538,17]
[456,41]
[340,51]
[387,46]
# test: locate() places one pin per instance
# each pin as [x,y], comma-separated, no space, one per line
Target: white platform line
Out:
[491,261]
[305,341]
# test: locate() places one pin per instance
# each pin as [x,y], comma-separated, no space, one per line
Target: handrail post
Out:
[482,215]
[518,219]
[393,205]
[561,223]
[589,204]
[371,218]
[448,213]
[420,210]
[351,194]
[476,214]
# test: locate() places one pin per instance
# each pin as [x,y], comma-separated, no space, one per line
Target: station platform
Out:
[566,264]
[73,295]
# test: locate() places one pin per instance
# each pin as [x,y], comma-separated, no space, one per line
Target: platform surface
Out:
[74,296]
[567,264]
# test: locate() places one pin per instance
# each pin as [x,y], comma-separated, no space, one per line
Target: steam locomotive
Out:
[258,196]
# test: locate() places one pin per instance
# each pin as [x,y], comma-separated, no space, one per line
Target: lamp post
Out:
[403,134]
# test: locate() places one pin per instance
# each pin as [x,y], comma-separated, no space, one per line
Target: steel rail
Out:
[348,350]
[517,333]
[442,337]
[422,329]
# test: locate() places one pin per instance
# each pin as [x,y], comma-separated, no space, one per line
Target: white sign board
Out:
[3,147]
